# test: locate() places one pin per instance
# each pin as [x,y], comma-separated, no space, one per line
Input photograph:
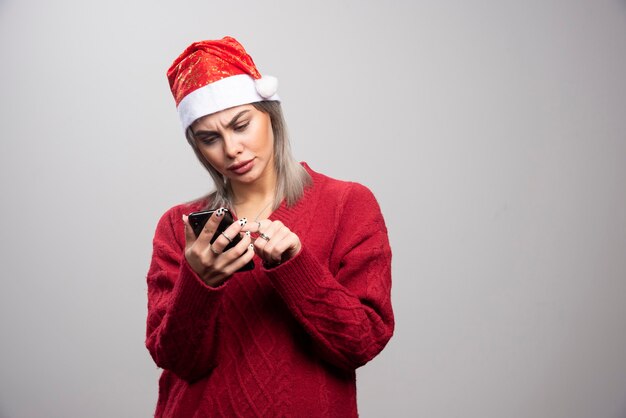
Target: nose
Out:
[232,146]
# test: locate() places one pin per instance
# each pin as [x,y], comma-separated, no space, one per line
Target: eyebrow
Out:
[230,124]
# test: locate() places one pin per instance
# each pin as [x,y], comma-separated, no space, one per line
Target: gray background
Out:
[492,133]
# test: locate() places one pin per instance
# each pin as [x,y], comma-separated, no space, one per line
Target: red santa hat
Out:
[210,76]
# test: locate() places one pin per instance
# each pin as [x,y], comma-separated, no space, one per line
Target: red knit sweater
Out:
[283,342]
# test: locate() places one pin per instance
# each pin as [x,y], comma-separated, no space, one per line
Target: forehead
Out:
[221,118]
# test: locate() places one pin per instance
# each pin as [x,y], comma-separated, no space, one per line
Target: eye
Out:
[241,127]
[206,140]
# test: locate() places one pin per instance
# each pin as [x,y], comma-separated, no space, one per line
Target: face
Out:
[238,142]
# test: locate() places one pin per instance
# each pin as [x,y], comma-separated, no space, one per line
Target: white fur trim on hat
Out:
[223,94]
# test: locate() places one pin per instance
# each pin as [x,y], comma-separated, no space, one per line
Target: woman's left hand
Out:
[275,243]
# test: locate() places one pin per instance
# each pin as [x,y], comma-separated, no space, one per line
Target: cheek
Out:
[260,141]
[213,157]
[268,139]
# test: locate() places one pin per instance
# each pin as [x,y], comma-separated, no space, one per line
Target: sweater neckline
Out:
[284,213]
[288,214]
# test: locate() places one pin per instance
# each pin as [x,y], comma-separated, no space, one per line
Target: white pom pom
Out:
[266,86]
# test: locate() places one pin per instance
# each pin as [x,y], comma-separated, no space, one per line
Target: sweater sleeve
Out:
[347,312]
[182,324]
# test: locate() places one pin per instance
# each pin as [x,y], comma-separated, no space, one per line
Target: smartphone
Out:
[198,219]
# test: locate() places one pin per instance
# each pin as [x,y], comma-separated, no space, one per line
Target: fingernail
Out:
[243,221]
[251,246]
[219,212]
[248,233]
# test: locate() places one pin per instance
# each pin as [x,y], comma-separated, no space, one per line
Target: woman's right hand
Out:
[210,261]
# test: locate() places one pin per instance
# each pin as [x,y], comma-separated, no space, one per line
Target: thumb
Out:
[190,237]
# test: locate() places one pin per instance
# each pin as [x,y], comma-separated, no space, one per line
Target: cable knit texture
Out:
[283,342]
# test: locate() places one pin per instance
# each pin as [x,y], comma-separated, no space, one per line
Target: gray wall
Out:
[492,132]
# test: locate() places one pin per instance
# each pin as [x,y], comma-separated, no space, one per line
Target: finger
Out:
[238,250]
[210,227]
[242,260]
[229,262]
[260,242]
[231,256]
[286,248]
[229,234]
[221,265]
[256,226]
[278,243]
[263,244]
[273,229]
[252,226]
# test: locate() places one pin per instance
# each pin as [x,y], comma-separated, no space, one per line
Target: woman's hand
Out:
[275,243]
[210,261]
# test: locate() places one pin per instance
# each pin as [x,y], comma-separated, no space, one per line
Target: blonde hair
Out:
[291,177]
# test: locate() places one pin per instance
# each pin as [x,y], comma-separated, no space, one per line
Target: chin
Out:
[247,178]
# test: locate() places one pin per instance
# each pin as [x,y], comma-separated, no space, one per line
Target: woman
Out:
[285,338]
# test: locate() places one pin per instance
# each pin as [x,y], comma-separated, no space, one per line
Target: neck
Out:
[257,193]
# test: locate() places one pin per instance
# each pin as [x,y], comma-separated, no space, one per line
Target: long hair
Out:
[291,177]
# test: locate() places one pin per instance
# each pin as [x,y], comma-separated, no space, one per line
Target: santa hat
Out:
[210,76]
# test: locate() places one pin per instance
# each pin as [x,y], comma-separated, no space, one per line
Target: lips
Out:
[242,167]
